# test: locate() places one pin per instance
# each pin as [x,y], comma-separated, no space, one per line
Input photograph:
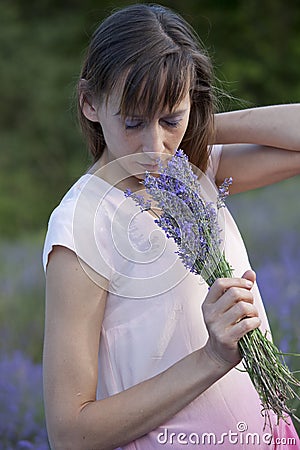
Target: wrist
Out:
[228,127]
[216,361]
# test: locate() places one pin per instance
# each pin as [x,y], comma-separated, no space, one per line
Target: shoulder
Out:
[81,223]
[60,224]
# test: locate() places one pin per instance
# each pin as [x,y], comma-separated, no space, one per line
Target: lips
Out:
[150,167]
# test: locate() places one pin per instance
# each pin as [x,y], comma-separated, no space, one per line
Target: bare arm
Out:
[262,145]
[75,308]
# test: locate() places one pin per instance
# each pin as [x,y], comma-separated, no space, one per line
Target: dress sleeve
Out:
[81,223]
[59,232]
[213,162]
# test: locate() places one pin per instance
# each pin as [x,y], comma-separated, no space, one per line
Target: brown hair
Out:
[159,59]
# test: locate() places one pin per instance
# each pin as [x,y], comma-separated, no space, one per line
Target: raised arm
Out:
[75,308]
[262,145]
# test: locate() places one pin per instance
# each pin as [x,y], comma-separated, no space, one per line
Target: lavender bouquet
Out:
[193,223]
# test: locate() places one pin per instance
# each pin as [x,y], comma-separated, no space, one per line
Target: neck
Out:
[113,173]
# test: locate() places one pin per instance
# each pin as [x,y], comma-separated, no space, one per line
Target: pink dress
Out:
[153,316]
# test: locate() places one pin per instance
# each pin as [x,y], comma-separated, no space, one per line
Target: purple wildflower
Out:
[185,215]
[192,223]
[224,192]
[21,409]
[144,204]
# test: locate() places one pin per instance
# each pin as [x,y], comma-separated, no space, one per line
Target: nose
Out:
[153,142]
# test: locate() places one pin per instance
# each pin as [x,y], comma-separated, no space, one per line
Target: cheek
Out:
[186,123]
[118,143]
[180,134]
[128,145]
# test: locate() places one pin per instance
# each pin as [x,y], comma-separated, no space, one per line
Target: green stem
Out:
[262,360]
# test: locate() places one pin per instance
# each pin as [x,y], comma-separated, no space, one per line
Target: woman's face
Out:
[140,139]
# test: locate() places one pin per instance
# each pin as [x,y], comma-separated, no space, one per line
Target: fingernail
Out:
[249,283]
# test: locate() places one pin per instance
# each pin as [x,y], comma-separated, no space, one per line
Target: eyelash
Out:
[173,124]
[140,124]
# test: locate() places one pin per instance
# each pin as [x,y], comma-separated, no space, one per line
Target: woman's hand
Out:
[75,308]
[229,314]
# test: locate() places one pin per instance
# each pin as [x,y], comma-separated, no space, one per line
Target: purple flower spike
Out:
[185,217]
[223,192]
[192,223]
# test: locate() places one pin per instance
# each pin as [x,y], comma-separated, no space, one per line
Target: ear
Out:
[88,107]
[89,110]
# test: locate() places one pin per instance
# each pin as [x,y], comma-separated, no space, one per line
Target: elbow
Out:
[65,431]
[73,432]
[73,438]
[64,437]
[61,441]
[64,443]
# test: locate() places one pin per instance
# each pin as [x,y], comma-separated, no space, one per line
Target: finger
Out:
[250,275]
[232,296]
[230,309]
[244,326]
[238,312]
[222,285]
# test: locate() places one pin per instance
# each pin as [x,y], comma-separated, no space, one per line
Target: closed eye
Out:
[135,123]
[131,124]
[172,123]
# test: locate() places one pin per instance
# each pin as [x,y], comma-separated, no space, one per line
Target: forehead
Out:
[150,96]
[114,100]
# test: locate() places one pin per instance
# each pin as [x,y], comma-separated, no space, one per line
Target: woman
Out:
[166,347]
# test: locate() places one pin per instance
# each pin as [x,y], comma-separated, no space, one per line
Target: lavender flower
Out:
[224,192]
[186,217]
[21,410]
[145,205]
[193,224]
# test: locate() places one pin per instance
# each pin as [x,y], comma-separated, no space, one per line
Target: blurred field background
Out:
[255,46]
